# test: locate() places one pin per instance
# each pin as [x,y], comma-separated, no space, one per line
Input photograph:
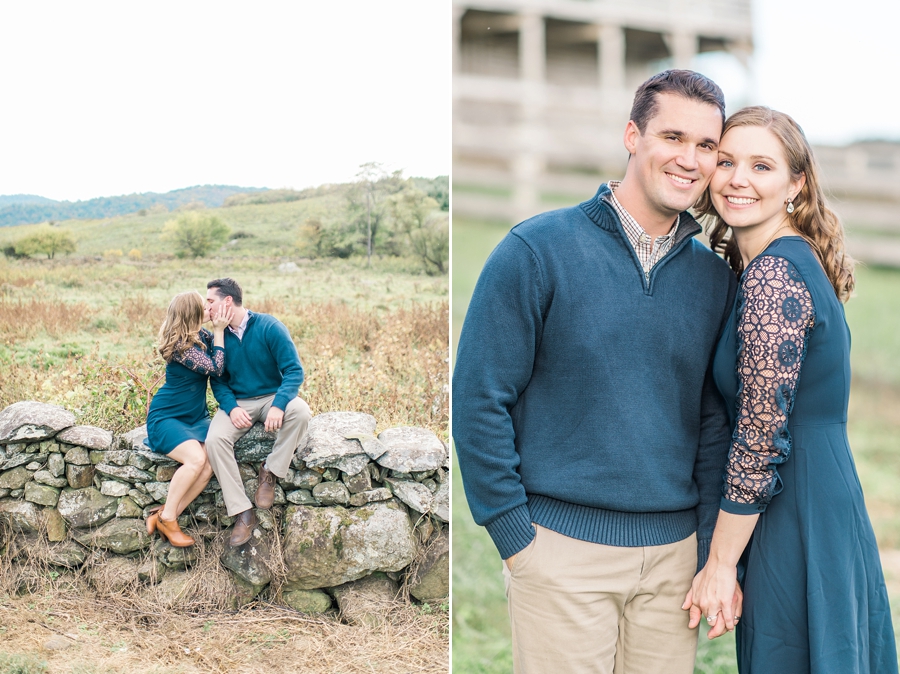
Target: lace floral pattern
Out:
[209,362]
[775,316]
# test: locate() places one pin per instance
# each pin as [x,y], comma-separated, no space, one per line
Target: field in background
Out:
[480,622]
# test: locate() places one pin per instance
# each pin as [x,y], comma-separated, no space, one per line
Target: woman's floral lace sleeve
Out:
[209,362]
[775,316]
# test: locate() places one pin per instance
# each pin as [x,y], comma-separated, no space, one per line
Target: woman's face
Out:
[205,313]
[753,181]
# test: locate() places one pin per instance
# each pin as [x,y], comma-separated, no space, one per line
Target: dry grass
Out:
[106,621]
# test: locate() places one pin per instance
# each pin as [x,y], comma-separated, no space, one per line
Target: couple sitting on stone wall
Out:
[257,381]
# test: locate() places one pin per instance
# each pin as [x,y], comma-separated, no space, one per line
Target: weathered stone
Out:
[307,601]
[116,457]
[139,461]
[15,448]
[4,492]
[30,420]
[247,472]
[78,456]
[83,508]
[173,589]
[165,473]
[68,554]
[370,496]
[430,578]
[331,474]
[250,562]
[158,490]
[133,439]
[98,457]
[34,466]
[424,529]
[326,444]
[360,482]
[301,497]
[127,508]
[367,601]
[205,512]
[114,573]
[58,643]
[151,569]
[421,475]
[306,479]
[327,546]
[413,494]
[15,478]
[119,535]
[430,484]
[440,507]
[56,525]
[16,460]
[22,516]
[127,473]
[411,449]
[87,436]
[114,488]
[79,477]
[172,557]
[56,464]
[255,445]
[41,493]
[331,493]
[17,493]
[212,487]
[141,498]
[266,519]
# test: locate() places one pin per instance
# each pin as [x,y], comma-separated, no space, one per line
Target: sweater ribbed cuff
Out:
[512,531]
[702,552]
[742,508]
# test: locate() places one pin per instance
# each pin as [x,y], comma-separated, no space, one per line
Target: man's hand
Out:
[509,561]
[274,419]
[240,418]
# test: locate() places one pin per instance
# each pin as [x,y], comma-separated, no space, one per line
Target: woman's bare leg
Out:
[189,480]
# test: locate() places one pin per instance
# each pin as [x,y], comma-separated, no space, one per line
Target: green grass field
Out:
[480,622]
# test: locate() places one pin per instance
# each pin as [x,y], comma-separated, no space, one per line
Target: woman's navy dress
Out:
[178,410]
[814,593]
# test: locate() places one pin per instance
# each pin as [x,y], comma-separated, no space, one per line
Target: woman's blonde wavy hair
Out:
[179,331]
[811,218]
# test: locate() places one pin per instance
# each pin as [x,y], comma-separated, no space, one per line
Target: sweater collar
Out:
[601,212]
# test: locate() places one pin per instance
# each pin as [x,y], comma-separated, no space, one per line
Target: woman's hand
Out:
[221,319]
[715,595]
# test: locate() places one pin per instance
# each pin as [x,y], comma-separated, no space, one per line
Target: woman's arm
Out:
[775,318]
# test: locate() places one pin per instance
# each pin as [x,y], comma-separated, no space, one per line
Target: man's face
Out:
[215,304]
[675,157]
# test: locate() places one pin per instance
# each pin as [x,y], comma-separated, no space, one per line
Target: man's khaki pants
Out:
[578,607]
[223,434]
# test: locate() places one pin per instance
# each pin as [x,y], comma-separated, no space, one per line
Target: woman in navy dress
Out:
[178,418]
[792,527]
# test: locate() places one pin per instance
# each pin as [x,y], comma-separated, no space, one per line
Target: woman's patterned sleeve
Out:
[775,316]
[209,362]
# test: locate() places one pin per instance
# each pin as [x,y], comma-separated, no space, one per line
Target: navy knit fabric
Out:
[262,362]
[582,391]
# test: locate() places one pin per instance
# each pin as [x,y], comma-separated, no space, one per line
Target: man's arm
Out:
[494,362]
[282,348]
[715,442]
[223,394]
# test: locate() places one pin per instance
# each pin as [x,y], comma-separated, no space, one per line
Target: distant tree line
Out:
[26,209]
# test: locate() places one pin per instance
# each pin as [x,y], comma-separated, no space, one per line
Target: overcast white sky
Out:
[107,98]
[830,64]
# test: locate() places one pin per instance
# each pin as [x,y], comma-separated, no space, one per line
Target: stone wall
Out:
[354,508]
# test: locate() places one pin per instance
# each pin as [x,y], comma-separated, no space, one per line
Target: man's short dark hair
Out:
[686,83]
[227,287]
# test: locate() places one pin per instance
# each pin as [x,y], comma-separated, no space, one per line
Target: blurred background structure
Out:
[542,90]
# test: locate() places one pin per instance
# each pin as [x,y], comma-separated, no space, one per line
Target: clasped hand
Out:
[716,595]
[241,419]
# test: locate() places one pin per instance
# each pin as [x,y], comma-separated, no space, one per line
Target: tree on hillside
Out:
[46,241]
[195,233]
[367,201]
[425,226]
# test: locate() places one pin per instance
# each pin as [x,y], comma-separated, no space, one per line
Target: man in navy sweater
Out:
[590,436]
[262,375]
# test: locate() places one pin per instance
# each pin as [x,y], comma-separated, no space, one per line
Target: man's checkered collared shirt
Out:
[649,252]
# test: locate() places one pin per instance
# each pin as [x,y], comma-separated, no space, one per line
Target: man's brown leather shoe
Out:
[243,528]
[265,492]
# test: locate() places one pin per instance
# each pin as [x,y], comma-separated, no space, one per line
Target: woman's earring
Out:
[790,206]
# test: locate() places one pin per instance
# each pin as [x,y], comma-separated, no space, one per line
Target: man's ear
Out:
[632,132]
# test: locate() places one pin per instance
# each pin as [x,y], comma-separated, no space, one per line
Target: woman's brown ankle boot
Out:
[170,530]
